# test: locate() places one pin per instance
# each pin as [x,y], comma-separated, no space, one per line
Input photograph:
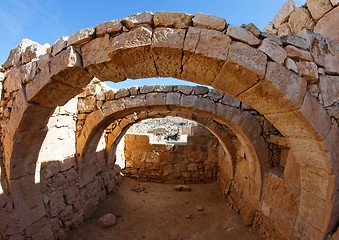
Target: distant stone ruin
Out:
[273,110]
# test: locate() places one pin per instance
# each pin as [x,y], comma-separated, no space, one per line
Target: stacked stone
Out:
[194,162]
[318,16]
[71,62]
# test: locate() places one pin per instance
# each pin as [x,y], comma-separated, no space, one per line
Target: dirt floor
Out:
[156,211]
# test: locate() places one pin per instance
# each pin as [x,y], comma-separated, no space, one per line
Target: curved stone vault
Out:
[243,62]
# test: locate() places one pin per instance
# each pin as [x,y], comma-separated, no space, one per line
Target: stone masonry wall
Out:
[194,162]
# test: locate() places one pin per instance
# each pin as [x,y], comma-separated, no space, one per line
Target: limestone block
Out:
[188,101]
[200,90]
[41,229]
[59,45]
[273,50]
[110,27]
[230,101]
[71,193]
[153,99]
[173,98]
[66,74]
[329,88]
[33,51]
[299,19]
[96,59]
[243,35]
[146,89]
[131,52]
[296,41]
[325,51]
[252,28]
[167,46]
[121,93]
[284,29]
[13,80]
[281,91]
[272,37]
[328,25]
[290,64]
[185,89]
[87,105]
[309,71]
[56,202]
[28,71]
[81,37]
[172,19]
[27,201]
[318,8]
[15,54]
[208,21]
[292,170]
[284,13]
[137,19]
[245,66]
[205,51]
[298,54]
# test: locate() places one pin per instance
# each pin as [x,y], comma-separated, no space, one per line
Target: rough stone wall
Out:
[193,162]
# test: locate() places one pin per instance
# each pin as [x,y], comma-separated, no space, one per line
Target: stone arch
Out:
[161,99]
[230,59]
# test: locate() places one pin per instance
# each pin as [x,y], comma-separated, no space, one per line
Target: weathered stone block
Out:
[284,29]
[328,25]
[309,71]
[273,50]
[296,41]
[110,27]
[208,21]
[59,45]
[81,37]
[167,44]
[205,51]
[137,19]
[329,87]
[284,13]
[318,7]
[290,64]
[300,18]
[245,66]
[56,202]
[242,35]
[298,54]
[172,19]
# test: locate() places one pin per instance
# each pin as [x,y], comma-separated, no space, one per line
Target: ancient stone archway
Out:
[230,59]
[191,102]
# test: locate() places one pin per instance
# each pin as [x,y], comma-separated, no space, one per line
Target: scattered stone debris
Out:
[189,216]
[199,208]
[182,188]
[139,189]
[107,220]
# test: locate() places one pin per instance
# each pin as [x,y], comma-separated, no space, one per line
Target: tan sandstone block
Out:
[131,52]
[325,51]
[335,2]
[167,44]
[208,21]
[329,87]
[137,19]
[318,8]
[110,27]
[27,201]
[283,13]
[284,29]
[328,25]
[290,64]
[13,80]
[59,45]
[97,61]
[242,35]
[298,54]
[309,71]
[111,107]
[154,99]
[299,19]
[205,51]
[281,91]
[273,50]
[310,122]
[245,66]
[81,37]
[172,19]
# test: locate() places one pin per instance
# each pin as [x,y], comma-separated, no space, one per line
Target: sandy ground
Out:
[157,212]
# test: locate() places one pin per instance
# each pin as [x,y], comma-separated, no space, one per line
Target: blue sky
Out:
[45,21]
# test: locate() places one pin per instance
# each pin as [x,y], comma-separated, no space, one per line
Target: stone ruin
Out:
[274,113]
